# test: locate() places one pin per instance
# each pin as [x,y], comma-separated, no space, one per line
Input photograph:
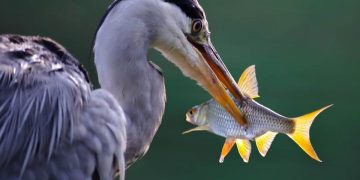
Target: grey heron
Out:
[53,125]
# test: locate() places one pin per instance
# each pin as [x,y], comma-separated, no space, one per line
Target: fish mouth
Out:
[216,77]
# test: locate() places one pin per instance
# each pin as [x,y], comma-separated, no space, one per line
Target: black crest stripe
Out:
[112,5]
[189,7]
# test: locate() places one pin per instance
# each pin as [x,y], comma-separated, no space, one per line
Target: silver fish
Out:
[262,126]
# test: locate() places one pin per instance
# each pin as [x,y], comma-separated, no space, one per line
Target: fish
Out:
[263,123]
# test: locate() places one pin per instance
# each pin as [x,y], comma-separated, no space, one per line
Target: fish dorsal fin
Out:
[228,145]
[248,83]
[263,142]
[199,128]
[244,149]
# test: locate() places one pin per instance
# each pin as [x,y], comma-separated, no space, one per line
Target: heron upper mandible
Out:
[53,125]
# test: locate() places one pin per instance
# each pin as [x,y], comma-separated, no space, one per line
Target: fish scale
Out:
[260,121]
[262,124]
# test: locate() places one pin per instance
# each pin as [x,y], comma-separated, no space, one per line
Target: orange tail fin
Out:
[301,132]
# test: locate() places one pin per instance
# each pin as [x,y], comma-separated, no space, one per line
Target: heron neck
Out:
[124,71]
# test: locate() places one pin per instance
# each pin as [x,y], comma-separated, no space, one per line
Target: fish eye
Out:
[192,111]
[197,26]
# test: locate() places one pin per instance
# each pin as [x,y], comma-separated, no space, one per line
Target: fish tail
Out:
[301,135]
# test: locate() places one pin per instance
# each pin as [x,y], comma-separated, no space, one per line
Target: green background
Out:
[307,55]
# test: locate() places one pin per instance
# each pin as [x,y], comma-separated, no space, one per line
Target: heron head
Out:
[179,30]
[183,37]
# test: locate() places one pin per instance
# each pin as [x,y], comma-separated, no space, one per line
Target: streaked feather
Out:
[50,119]
[42,89]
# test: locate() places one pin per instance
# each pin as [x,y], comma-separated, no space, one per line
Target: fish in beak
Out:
[216,77]
[190,49]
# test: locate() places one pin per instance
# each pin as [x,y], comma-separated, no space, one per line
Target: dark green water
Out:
[307,55]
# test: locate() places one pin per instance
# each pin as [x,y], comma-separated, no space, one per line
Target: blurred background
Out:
[307,55]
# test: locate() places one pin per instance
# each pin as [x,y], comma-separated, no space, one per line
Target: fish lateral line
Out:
[263,123]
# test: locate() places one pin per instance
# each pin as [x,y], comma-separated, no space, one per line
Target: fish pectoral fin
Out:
[248,83]
[244,149]
[199,128]
[263,142]
[228,145]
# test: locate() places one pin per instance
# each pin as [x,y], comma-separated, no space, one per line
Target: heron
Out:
[55,125]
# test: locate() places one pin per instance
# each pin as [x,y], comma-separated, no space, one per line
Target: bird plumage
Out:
[54,126]
[39,81]
[125,70]
[49,115]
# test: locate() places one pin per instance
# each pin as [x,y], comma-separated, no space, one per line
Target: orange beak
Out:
[215,76]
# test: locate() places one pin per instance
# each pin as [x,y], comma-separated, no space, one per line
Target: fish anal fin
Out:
[248,83]
[263,142]
[244,149]
[199,128]
[301,131]
[228,145]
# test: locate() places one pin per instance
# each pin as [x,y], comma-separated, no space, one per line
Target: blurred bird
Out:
[263,123]
[53,125]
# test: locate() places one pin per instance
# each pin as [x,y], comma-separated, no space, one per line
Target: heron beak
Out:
[215,77]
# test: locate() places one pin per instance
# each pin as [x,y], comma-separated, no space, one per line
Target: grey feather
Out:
[52,126]
[34,77]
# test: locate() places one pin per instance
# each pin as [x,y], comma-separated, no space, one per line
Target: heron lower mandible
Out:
[53,125]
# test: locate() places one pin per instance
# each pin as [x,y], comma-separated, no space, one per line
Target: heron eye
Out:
[197,26]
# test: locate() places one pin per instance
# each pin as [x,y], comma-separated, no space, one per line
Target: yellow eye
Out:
[197,26]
